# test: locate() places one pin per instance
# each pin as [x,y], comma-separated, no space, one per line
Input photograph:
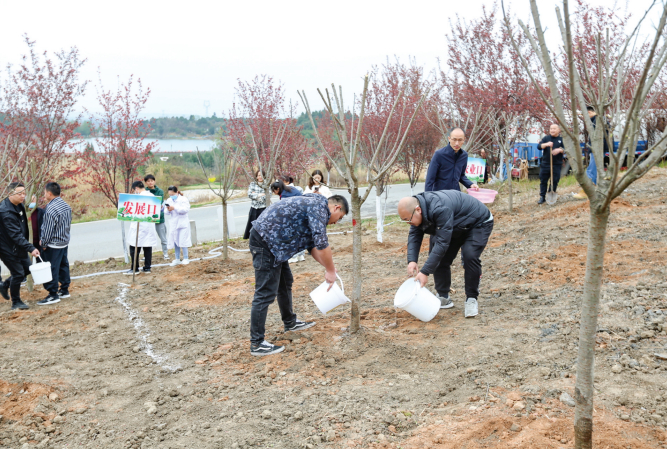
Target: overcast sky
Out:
[194,51]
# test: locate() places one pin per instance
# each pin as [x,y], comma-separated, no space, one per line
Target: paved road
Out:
[102,239]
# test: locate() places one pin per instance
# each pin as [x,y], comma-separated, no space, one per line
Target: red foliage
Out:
[264,132]
[37,105]
[119,140]
[484,71]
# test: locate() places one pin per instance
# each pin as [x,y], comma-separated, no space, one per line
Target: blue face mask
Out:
[32,205]
[174,197]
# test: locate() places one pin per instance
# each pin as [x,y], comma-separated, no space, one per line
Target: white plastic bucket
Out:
[41,272]
[416,300]
[329,300]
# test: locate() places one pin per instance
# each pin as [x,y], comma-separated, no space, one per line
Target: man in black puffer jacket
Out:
[14,244]
[454,220]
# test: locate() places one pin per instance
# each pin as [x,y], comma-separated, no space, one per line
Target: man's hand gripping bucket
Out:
[329,300]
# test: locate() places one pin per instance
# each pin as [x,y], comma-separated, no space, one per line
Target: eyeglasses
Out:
[411,216]
[457,140]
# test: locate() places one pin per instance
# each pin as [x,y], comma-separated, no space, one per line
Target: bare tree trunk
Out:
[356,260]
[122,230]
[267,194]
[509,184]
[583,391]
[30,284]
[225,230]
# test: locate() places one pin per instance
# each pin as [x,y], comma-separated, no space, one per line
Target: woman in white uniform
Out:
[147,236]
[177,207]
[315,185]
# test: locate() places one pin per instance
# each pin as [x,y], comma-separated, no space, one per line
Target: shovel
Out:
[552,196]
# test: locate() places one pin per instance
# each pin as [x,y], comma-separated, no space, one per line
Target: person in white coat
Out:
[147,236]
[315,185]
[178,206]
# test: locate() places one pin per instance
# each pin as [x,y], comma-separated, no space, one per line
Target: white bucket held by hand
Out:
[417,300]
[41,272]
[329,300]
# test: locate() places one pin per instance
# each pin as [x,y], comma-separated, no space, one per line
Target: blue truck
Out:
[531,153]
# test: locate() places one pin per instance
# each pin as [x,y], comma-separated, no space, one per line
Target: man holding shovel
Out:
[552,161]
[285,228]
[454,220]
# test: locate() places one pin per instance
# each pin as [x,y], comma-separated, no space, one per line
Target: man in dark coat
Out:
[551,143]
[14,244]
[454,221]
[448,166]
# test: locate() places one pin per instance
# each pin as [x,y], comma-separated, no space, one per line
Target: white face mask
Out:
[174,197]
[32,205]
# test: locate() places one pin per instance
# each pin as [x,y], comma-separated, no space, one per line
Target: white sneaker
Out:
[471,308]
[185,261]
[302,258]
[175,262]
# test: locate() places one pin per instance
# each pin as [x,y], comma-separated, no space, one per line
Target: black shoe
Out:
[63,294]
[18,304]
[265,348]
[146,270]
[299,326]
[51,299]
[541,200]
[4,291]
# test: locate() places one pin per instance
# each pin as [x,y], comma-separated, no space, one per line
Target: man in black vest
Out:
[551,143]
[14,244]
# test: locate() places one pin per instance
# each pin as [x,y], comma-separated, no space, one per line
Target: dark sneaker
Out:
[18,304]
[299,326]
[63,294]
[265,348]
[51,299]
[445,302]
[146,270]
[541,200]
[4,291]
[129,272]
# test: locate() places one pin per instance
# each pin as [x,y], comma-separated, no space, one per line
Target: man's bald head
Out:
[456,138]
[409,210]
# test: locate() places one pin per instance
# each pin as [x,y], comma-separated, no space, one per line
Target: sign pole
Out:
[136,255]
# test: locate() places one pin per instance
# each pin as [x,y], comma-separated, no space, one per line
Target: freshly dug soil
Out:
[166,363]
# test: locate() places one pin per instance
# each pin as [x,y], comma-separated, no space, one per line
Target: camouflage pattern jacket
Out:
[294,224]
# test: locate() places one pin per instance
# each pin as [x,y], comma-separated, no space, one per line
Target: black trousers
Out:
[270,282]
[545,174]
[19,269]
[472,244]
[148,256]
[59,270]
[252,216]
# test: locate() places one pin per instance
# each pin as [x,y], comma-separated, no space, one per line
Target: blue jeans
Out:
[270,282]
[592,170]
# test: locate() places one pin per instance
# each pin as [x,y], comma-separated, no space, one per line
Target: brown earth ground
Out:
[166,363]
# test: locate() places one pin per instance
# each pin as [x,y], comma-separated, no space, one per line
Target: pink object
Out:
[486,196]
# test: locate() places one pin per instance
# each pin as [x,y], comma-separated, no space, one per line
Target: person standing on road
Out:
[161,227]
[448,166]
[55,235]
[284,229]
[147,239]
[14,244]
[552,148]
[257,201]
[454,221]
[315,185]
[178,207]
[592,170]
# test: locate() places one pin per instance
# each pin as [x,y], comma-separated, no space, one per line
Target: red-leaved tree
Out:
[120,147]
[263,131]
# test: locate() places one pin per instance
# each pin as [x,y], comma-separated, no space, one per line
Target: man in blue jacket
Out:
[448,166]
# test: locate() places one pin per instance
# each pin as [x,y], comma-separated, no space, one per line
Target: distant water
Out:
[173,145]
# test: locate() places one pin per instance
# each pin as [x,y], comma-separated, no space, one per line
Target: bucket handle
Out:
[342,287]
[40,258]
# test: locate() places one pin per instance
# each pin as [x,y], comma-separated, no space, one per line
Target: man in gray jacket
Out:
[454,220]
